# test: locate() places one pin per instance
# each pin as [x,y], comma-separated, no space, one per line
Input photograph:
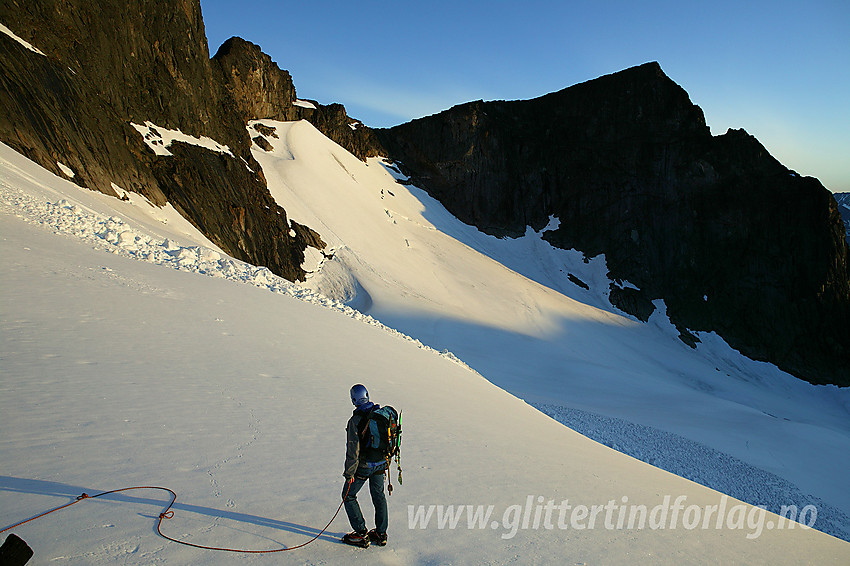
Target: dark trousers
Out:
[375,475]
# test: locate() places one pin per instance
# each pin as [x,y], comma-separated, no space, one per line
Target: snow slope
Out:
[508,309]
[120,372]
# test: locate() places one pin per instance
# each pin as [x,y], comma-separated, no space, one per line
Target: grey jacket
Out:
[353,457]
[352,446]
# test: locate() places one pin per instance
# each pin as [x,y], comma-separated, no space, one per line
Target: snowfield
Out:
[509,309]
[230,386]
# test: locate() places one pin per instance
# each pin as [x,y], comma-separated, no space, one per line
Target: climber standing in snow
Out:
[362,463]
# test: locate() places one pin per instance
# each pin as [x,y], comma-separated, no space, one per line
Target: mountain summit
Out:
[731,239]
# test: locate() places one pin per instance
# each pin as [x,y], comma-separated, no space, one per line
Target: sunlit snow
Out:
[508,309]
[230,386]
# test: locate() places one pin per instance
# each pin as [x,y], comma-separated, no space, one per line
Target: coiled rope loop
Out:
[168,514]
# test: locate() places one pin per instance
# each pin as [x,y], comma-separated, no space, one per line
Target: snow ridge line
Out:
[112,234]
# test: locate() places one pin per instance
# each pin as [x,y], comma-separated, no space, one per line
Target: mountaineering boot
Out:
[378,538]
[357,539]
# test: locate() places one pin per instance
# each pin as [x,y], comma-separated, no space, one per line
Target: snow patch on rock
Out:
[159,139]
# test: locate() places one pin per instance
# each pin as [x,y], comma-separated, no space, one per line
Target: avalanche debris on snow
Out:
[114,235]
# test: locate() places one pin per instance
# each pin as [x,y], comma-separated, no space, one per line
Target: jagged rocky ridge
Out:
[731,239]
[105,65]
[258,88]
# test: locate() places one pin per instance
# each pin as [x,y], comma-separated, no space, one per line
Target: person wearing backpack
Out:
[363,462]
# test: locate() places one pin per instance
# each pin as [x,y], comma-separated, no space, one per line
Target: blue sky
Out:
[780,70]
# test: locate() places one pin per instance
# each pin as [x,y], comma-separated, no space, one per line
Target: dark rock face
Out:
[50,114]
[727,236]
[258,88]
[145,59]
[107,64]
[843,200]
[232,213]
[732,240]
[110,63]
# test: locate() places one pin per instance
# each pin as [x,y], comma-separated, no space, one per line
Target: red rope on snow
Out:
[168,514]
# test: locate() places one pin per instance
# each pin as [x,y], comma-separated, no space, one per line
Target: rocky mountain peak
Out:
[731,239]
[257,87]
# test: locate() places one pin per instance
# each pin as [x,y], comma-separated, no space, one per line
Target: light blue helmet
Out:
[359,395]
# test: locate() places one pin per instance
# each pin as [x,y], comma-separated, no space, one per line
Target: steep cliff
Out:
[731,240]
[104,65]
[258,88]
